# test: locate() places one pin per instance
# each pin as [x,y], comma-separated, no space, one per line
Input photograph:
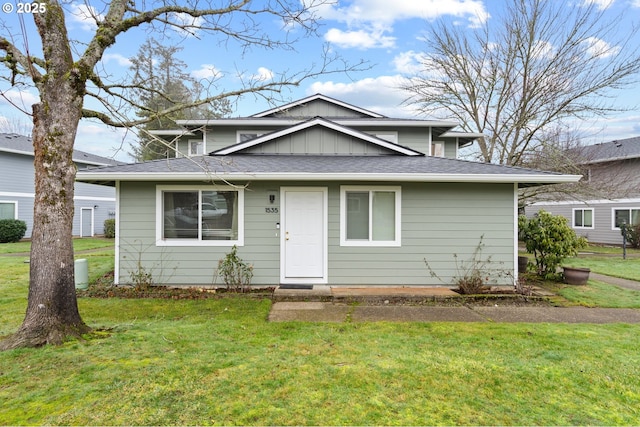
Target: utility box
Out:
[81,272]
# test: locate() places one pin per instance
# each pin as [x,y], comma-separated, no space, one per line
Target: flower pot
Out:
[576,275]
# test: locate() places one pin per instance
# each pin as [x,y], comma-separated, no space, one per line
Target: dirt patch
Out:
[104,289]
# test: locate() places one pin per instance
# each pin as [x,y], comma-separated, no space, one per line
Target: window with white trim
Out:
[8,210]
[206,216]
[370,216]
[583,218]
[437,149]
[625,215]
[196,148]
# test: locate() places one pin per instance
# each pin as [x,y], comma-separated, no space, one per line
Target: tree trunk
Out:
[52,310]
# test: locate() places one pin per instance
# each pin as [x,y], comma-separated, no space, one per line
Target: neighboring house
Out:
[611,170]
[317,191]
[93,203]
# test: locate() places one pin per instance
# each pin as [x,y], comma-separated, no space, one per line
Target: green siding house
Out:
[317,191]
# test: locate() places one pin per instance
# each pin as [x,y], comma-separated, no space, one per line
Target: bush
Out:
[235,273]
[110,228]
[550,239]
[473,275]
[12,230]
[633,236]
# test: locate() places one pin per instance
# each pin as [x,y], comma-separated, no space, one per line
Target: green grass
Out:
[612,250]
[218,361]
[594,294]
[78,245]
[617,267]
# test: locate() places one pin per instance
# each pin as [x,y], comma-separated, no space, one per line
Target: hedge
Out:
[12,230]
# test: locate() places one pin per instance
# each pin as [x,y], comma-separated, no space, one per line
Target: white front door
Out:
[303,235]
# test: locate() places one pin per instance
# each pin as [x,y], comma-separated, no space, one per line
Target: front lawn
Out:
[218,361]
[82,244]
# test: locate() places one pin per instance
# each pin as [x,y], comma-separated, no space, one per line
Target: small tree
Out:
[550,239]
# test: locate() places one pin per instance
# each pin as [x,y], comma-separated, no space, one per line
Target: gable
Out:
[318,106]
[319,141]
[317,136]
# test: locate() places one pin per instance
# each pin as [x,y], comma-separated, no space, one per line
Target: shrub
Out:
[473,275]
[550,239]
[12,230]
[110,228]
[633,235]
[235,273]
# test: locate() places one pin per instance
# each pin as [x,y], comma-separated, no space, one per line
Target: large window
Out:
[583,218]
[8,210]
[370,216]
[626,216]
[200,216]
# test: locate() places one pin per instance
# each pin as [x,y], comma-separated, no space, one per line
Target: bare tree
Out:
[14,125]
[603,176]
[66,73]
[526,72]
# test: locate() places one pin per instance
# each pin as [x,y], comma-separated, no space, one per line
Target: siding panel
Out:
[438,221]
[602,232]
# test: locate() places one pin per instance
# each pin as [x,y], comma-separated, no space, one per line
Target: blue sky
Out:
[389,35]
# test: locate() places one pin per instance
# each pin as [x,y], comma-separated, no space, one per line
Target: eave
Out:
[365,122]
[523,180]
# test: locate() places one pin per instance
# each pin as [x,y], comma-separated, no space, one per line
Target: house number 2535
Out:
[271,210]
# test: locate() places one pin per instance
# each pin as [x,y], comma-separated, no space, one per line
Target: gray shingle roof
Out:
[21,144]
[628,148]
[397,168]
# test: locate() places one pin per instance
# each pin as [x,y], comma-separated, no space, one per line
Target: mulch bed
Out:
[105,288]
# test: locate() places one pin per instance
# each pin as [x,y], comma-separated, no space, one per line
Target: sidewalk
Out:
[623,283]
[332,304]
[330,312]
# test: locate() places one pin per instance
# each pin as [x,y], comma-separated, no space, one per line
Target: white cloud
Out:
[409,62]
[370,21]
[600,4]
[600,48]
[186,25]
[121,60]
[543,49]
[380,94]
[207,72]
[263,74]
[359,39]
[19,98]
[84,16]
[380,12]
[104,141]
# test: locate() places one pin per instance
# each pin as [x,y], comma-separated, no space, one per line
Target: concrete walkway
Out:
[623,283]
[327,304]
[331,312]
